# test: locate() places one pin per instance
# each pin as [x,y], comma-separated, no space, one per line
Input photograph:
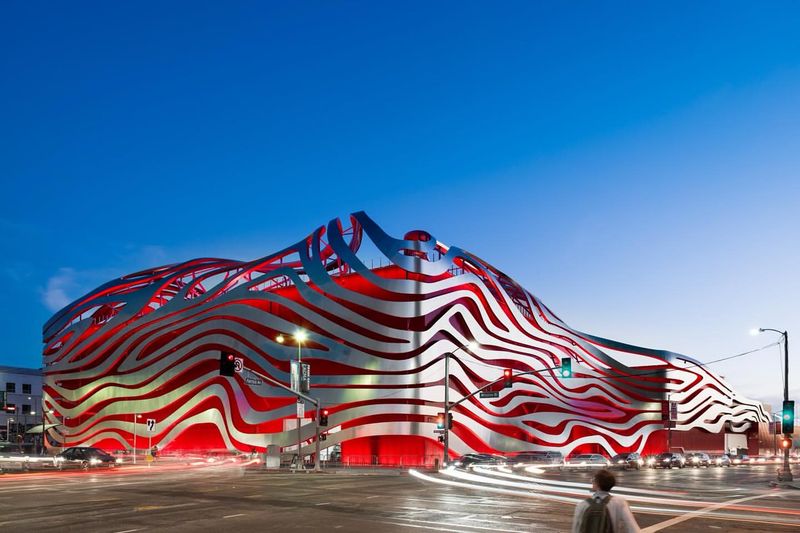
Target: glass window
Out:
[11,387]
[26,388]
[26,409]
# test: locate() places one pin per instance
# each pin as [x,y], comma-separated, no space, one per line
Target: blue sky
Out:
[635,165]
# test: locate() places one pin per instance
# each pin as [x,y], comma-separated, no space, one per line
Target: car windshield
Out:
[665,456]
[620,457]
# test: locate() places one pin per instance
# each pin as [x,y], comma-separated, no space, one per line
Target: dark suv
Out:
[670,460]
[627,460]
[539,457]
[82,457]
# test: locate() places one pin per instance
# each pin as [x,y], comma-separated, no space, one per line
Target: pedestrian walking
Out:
[602,512]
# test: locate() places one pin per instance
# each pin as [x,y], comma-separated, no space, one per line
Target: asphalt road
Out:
[229,497]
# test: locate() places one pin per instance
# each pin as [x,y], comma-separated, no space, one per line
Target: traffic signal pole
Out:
[449,406]
[786,475]
[317,450]
[446,409]
[300,465]
[315,401]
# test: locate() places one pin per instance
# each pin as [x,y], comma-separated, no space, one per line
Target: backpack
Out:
[596,518]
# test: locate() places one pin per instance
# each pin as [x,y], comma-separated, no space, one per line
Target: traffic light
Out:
[323,436]
[449,420]
[566,367]
[227,364]
[440,421]
[441,438]
[323,417]
[786,443]
[787,417]
[508,378]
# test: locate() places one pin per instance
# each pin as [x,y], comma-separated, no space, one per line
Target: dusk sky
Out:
[634,165]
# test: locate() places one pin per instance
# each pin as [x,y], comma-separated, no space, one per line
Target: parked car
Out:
[539,457]
[468,460]
[588,460]
[670,460]
[740,459]
[83,457]
[627,460]
[698,459]
[721,460]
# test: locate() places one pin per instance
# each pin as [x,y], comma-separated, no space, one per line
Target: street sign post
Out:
[490,394]
[151,427]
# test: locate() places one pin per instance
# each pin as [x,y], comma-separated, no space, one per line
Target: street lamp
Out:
[300,336]
[786,473]
[472,345]
[135,416]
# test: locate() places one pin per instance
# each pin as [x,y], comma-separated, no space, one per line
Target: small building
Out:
[21,391]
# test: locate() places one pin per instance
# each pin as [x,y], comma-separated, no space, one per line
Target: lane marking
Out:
[421,526]
[462,526]
[322,503]
[699,512]
[233,515]
[129,530]
[160,507]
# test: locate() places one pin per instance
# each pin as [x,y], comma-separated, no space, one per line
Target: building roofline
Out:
[20,370]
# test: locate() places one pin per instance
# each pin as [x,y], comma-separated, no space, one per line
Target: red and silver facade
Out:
[148,344]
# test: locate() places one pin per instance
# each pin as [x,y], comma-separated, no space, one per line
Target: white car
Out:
[588,460]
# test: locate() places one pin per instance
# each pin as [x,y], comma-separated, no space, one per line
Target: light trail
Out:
[503,482]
